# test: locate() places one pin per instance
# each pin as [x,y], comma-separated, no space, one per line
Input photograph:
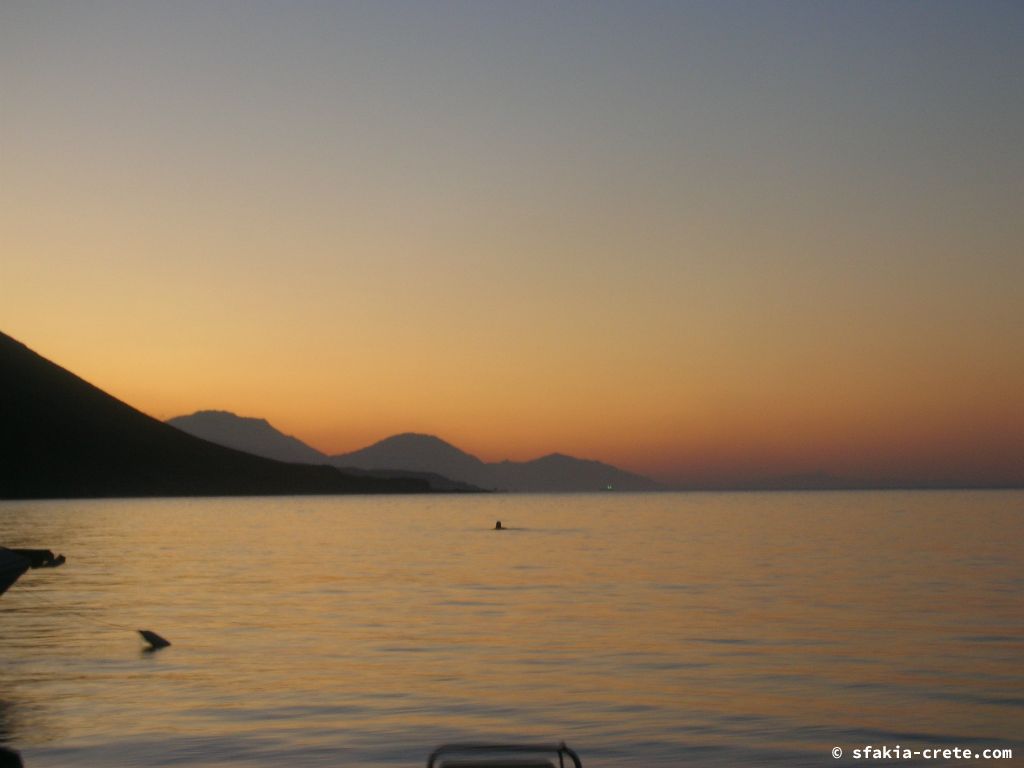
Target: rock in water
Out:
[154,640]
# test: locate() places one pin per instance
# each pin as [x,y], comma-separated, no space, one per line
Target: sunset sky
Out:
[701,241]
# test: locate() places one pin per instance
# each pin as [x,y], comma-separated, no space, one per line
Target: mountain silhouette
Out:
[447,468]
[421,453]
[424,456]
[557,472]
[61,437]
[247,434]
[259,437]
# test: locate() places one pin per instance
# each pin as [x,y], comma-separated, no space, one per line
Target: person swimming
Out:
[497,526]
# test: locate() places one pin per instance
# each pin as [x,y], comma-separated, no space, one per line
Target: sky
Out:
[704,241]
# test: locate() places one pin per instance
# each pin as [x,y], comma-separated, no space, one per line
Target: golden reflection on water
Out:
[640,628]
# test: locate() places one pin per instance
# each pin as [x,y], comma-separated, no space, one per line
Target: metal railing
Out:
[476,755]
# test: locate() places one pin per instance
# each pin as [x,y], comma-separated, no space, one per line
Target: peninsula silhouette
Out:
[427,456]
[61,437]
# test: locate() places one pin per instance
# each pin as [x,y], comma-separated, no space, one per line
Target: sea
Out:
[653,630]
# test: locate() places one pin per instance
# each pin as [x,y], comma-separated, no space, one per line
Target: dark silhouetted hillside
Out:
[258,437]
[418,453]
[426,457]
[556,472]
[242,433]
[61,437]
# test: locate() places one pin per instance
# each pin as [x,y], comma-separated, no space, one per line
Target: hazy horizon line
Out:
[782,482]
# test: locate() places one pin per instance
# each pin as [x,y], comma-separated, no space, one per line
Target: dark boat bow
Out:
[12,565]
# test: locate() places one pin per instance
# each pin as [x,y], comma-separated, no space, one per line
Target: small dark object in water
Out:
[497,526]
[10,759]
[154,640]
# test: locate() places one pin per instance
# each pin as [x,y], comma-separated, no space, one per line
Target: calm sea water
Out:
[644,630]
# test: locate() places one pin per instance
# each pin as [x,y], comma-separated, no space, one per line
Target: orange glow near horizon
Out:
[769,428]
[711,261]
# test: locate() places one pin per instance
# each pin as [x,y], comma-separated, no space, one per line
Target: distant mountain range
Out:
[250,435]
[258,437]
[549,473]
[61,437]
[417,453]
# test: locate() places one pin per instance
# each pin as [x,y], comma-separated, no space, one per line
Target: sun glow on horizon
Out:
[696,249]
